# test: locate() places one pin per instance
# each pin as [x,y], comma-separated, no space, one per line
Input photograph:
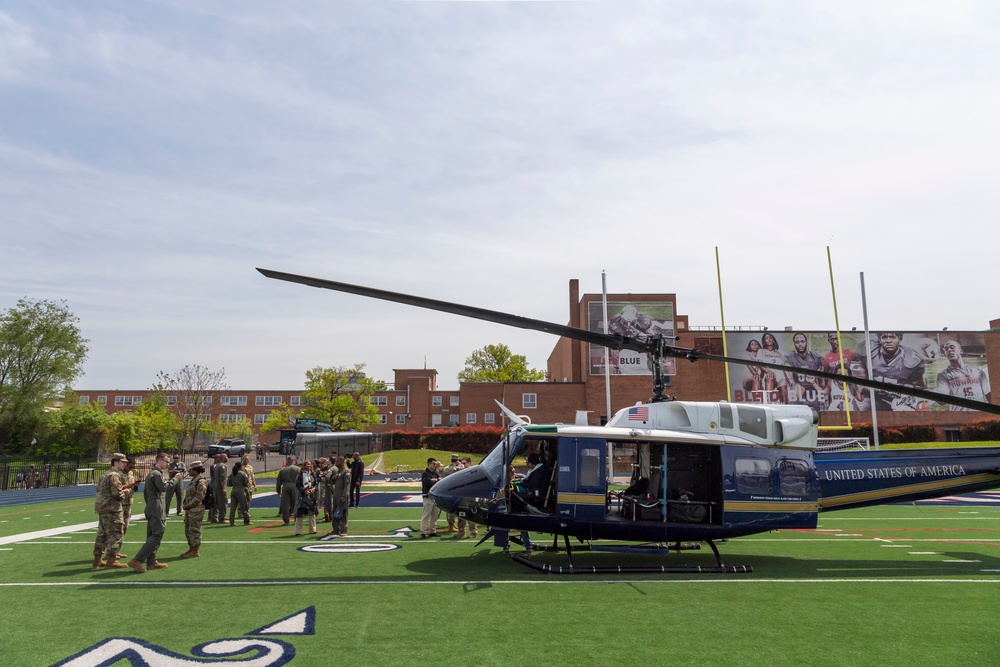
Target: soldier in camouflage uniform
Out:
[175,486]
[130,482]
[455,524]
[194,510]
[111,494]
[248,469]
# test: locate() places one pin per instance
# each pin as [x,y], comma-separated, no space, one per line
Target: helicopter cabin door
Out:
[582,478]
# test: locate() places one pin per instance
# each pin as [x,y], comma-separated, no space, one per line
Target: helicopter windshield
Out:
[493,465]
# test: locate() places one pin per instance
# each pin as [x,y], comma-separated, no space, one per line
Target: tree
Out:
[496,363]
[280,417]
[41,354]
[341,396]
[159,427]
[234,428]
[193,393]
[77,430]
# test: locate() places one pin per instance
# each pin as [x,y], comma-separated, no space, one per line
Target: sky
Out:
[152,154]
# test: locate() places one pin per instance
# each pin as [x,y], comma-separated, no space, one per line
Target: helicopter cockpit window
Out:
[494,464]
[753,421]
[726,416]
[753,476]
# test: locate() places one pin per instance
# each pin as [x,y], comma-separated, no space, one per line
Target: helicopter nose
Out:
[462,488]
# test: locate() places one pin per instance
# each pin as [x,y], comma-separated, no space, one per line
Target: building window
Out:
[84,400]
[529,401]
[488,418]
[401,400]
[436,401]
[206,400]
[171,400]
[453,420]
[382,419]
[259,418]
[470,417]
[380,400]
[296,401]
[231,419]
[128,400]
[400,419]
[454,400]
[435,420]
[103,400]
[233,400]
[267,400]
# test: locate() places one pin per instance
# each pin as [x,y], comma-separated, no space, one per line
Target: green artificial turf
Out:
[872,586]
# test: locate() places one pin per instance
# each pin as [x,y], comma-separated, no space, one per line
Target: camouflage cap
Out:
[195,464]
[117,456]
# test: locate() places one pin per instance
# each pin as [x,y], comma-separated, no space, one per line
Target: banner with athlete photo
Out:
[634,319]
[952,363]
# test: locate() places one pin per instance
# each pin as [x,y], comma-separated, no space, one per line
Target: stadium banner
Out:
[948,362]
[635,319]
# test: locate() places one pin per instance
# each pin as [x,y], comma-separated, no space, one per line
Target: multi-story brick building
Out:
[576,377]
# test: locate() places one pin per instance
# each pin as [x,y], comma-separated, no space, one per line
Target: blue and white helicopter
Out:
[703,472]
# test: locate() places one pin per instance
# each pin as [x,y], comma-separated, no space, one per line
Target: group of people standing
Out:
[243,484]
[333,484]
[116,490]
[428,519]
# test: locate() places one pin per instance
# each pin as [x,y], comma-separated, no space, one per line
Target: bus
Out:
[309,446]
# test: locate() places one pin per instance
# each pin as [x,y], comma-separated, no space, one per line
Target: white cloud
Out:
[151,156]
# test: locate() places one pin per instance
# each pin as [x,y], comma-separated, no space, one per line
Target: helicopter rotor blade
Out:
[653,345]
[864,382]
[615,342]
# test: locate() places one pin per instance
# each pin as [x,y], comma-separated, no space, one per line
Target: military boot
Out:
[193,553]
[113,562]
[137,566]
[98,562]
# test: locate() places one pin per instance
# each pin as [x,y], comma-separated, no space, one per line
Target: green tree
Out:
[159,427]
[234,428]
[41,354]
[342,396]
[496,363]
[281,417]
[77,430]
[193,394]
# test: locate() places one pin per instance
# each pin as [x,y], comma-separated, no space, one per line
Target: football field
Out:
[892,585]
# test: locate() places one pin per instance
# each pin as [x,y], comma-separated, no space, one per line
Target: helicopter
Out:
[703,472]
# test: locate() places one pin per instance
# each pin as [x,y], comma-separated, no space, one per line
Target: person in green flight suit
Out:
[154,494]
[240,483]
[286,489]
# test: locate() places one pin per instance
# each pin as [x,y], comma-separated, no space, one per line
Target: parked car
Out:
[229,447]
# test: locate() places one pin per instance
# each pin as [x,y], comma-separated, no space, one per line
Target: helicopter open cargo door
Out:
[582,478]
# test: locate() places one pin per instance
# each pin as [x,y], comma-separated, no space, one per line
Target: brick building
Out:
[576,381]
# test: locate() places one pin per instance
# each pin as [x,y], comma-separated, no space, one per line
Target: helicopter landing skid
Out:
[720,568]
